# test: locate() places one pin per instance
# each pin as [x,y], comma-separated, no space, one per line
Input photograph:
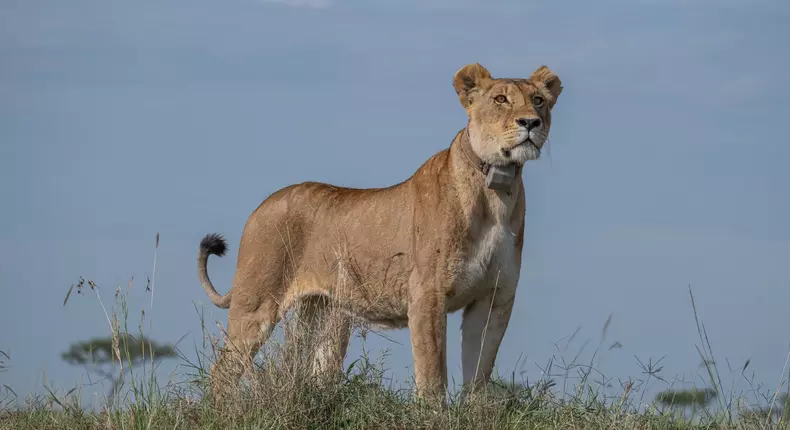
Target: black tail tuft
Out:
[215,244]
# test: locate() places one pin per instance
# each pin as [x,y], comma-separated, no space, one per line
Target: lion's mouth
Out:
[526,142]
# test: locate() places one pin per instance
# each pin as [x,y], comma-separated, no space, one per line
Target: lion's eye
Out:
[500,99]
[538,100]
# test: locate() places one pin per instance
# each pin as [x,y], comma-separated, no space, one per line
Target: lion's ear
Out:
[552,82]
[469,80]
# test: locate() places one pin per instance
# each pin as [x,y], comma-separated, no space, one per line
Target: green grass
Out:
[360,401]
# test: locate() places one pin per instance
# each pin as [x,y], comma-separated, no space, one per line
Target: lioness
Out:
[406,255]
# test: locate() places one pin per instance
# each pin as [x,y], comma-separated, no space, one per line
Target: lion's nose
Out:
[528,123]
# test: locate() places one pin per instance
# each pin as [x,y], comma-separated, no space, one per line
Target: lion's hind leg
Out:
[247,331]
[318,337]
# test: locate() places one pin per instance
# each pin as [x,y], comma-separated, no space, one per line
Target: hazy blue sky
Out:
[668,162]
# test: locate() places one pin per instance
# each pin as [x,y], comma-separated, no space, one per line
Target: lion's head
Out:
[509,119]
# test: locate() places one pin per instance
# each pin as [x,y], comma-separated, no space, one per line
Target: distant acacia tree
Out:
[103,356]
[686,399]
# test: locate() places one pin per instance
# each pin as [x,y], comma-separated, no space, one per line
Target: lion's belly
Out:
[489,264]
[370,284]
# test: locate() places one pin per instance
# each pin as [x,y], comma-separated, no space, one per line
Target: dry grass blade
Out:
[153,271]
[68,294]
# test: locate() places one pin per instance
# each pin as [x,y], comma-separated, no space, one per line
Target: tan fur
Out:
[406,255]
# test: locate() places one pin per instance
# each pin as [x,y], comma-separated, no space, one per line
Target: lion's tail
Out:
[212,244]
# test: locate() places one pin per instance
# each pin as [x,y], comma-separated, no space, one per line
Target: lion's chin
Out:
[533,152]
[520,154]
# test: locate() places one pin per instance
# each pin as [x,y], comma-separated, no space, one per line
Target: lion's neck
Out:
[463,145]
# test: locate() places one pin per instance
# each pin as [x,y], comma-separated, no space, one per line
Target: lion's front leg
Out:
[484,324]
